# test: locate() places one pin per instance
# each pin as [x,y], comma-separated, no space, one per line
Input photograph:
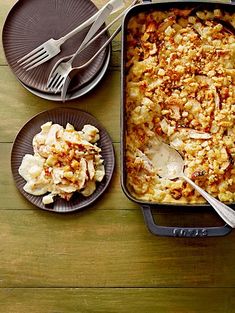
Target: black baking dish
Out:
[148,207]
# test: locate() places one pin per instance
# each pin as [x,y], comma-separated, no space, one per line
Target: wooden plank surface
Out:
[108,248]
[18,105]
[117,300]
[102,259]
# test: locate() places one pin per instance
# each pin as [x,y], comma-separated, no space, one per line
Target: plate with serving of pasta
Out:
[62,160]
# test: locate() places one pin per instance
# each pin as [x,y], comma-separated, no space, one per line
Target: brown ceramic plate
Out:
[32,22]
[76,93]
[23,145]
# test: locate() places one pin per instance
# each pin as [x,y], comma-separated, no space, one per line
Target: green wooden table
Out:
[102,259]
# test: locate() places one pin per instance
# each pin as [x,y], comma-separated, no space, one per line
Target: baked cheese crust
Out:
[180,88]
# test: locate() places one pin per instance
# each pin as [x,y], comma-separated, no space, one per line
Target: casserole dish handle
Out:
[181,231]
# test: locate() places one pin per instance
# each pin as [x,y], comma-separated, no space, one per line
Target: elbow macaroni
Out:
[65,161]
[180,87]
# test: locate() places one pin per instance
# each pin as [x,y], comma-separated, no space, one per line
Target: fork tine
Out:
[32,60]
[40,60]
[59,85]
[30,54]
[65,88]
[51,77]
[53,81]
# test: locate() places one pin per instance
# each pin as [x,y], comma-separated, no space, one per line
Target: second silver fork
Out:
[73,71]
[60,69]
[52,47]
[63,71]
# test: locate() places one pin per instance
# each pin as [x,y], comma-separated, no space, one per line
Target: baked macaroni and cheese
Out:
[180,89]
[65,161]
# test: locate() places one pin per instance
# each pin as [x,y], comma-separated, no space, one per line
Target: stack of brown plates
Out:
[32,22]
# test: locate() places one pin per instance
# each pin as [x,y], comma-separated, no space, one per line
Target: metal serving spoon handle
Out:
[226,213]
[170,164]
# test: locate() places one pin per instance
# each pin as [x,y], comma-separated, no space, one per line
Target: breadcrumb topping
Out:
[180,87]
[65,161]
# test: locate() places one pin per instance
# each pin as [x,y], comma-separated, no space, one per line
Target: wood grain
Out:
[18,105]
[102,259]
[108,248]
[5,8]
[117,300]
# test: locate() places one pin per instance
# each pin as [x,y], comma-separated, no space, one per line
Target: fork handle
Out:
[73,71]
[115,7]
[102,48]
[94,28]
[78,29]
[110,38]
[104,30]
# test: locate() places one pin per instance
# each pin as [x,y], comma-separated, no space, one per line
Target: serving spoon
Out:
[170,164]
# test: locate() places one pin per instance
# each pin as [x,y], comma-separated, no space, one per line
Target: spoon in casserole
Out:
[170,165]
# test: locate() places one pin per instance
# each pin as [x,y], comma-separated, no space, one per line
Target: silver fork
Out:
[62,68]
[51,48]
[73,71]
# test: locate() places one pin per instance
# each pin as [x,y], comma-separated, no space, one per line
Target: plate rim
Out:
[74,93]
[108,179]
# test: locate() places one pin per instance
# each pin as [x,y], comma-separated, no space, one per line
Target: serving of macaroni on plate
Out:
[180,89]
[65,161]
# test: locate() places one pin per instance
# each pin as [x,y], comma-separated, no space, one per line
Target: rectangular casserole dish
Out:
[146,206]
